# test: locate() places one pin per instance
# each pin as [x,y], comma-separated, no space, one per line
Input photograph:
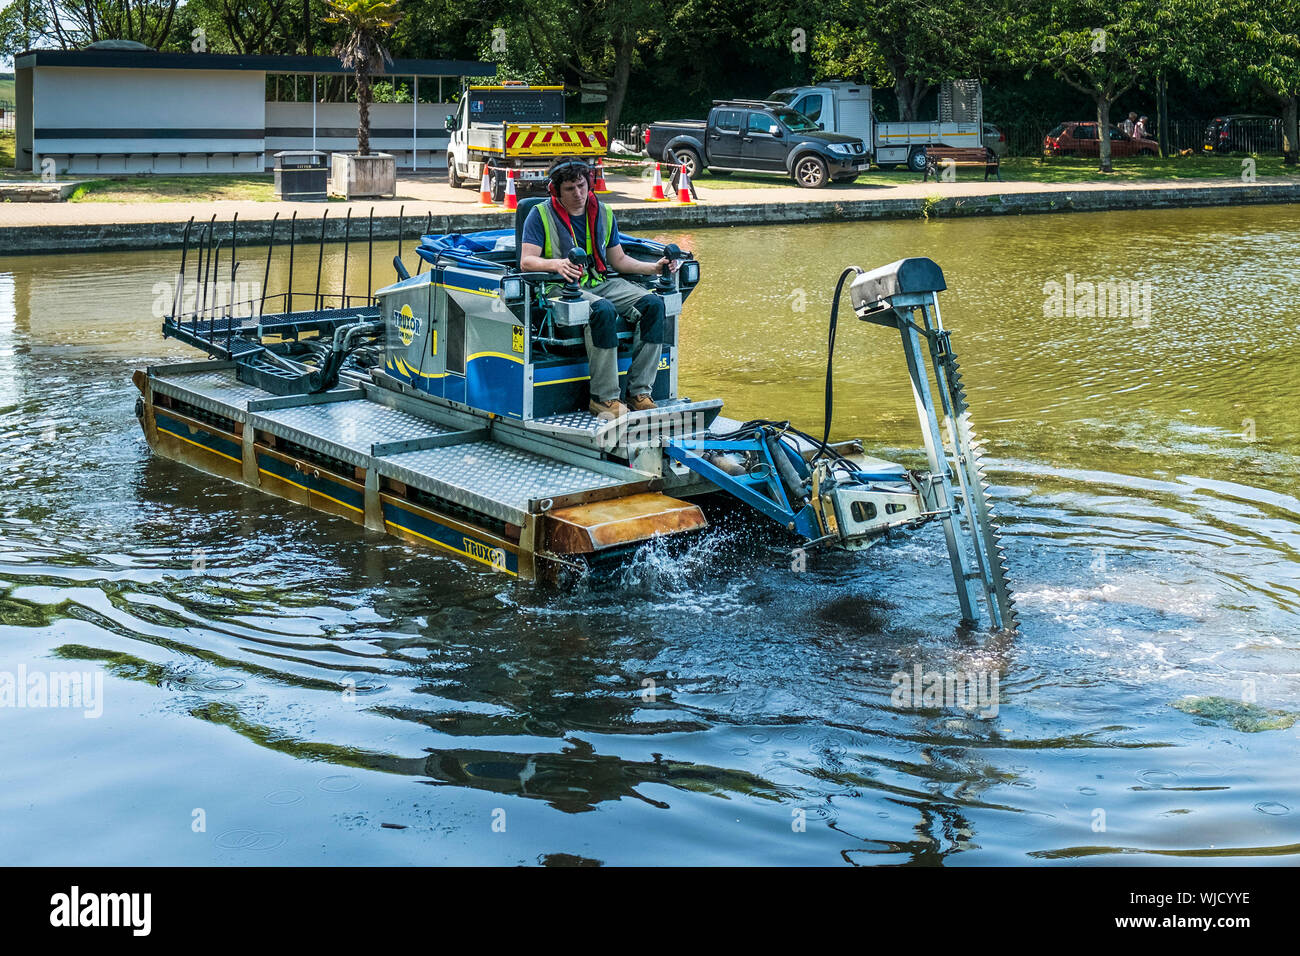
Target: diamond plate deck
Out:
[346,430]
[492,478]
[216,390]
[669,416]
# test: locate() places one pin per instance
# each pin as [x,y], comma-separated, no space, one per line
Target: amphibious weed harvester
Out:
[450,409]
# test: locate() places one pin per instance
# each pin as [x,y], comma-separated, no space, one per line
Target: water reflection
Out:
[742,709]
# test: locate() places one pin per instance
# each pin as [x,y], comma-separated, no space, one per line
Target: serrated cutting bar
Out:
[967,458]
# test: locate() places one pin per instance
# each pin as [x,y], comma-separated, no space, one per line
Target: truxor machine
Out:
[450,409]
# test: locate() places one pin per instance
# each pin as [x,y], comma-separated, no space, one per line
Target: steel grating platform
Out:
[274,323]
[503,479]
[224,336]
[227,336]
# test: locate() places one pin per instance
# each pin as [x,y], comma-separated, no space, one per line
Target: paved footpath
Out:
[52,227]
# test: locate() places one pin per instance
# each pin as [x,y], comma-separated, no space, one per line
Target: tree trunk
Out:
[1103,131]
[363,112]
[909,92]
[1162,117]
[616,88]
[1291,143]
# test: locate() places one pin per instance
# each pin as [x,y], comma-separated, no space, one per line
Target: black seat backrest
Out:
[525,205]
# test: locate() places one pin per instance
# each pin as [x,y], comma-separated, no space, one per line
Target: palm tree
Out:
[362,50]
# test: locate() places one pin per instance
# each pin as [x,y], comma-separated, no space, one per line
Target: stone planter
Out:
[363,177]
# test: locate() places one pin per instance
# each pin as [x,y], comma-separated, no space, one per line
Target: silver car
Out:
[995,139]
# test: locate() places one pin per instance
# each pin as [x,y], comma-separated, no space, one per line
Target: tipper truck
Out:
[515,126]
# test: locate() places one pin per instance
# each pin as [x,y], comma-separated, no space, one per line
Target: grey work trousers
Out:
[624,296]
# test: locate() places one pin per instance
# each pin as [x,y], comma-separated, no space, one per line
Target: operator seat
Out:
[526,203]
[624,328]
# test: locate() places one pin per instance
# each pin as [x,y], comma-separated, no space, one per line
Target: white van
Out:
[840,107]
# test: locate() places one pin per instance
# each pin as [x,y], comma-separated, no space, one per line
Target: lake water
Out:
[706,706]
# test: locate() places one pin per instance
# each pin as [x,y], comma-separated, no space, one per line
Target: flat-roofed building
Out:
[141,111]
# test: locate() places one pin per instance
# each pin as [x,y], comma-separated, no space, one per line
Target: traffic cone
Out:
[512,198]
[657,189]
[684,190]
[600,186]
[485,191]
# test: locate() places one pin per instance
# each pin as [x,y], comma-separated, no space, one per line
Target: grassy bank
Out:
[247,186]
[259,187]
[1028,169]
[1071,170]
[1033,170]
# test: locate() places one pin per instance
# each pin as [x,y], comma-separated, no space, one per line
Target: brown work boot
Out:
[608,410]
[641,403]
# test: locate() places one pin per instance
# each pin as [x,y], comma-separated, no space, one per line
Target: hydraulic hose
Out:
[830,359]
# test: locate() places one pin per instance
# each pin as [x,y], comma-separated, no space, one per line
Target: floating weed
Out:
[1248,718]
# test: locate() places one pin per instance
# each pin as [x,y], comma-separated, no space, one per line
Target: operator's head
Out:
[570,184]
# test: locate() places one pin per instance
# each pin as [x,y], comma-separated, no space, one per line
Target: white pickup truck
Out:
[842,107]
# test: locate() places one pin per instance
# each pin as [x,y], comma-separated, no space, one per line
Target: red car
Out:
[1080,139]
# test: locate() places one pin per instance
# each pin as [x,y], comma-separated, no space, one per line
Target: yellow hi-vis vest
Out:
[559,240]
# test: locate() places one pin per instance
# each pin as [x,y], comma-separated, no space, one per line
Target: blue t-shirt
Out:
[535,234]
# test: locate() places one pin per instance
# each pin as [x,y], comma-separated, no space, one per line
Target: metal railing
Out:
[1262,136]
[629,133]
[1025,137]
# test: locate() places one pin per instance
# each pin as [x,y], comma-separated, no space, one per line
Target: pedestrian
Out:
[1129,124]
[1143,128]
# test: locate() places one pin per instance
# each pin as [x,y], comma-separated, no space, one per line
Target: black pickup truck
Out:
[758,136]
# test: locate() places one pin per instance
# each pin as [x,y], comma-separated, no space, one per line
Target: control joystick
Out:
[571,291]
[673,253]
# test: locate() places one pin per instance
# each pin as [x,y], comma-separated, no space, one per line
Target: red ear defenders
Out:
[552,183]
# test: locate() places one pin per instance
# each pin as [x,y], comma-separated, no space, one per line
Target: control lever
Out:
[673,253]
[572,292]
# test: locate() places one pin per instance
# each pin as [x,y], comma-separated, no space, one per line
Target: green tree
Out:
[254,26]
[363,50]
[841,51]
[914,44]
[238,26]
[73,25]
[1103,48]
[1262,40]
[22,25]
[446,29]
[593,42]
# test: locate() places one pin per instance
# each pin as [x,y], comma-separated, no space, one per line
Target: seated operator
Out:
[570,218]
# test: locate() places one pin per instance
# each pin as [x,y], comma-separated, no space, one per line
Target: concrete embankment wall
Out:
[31,239]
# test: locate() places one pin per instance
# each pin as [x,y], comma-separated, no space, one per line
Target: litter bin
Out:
[301,175]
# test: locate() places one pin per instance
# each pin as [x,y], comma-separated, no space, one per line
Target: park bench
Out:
[937,156]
